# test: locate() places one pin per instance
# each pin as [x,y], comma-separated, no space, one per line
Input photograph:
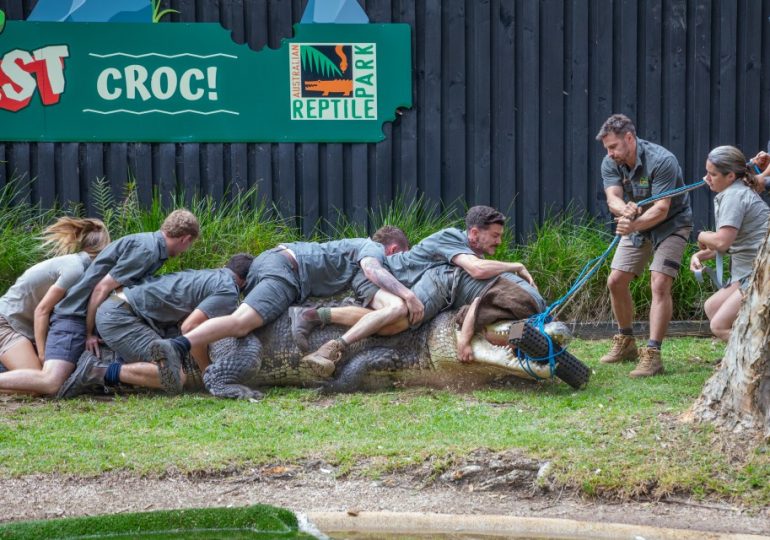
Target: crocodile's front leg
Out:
[237,360]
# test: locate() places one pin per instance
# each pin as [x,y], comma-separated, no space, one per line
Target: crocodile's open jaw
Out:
[492,348]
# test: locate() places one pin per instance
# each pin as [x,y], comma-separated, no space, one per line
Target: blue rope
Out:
[589,270]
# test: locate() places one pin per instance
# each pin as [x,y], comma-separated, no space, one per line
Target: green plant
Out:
[318,62]
[158,13]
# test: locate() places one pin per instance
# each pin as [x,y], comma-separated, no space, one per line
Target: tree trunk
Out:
[737,396]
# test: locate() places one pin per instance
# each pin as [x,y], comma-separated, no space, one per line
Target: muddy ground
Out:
[484,483]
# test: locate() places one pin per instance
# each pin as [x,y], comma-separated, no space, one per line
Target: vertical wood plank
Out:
[46,173]
[675,78]
[164,172]
[625,42]
[725,121]
[528,175]
[650,69]
[187,11]
[284,180]
[578,186]
[140,167]
[232,18]
[116,168]
[68,171]
[600,105]
[552,177]
[308,195]
[750,26]
[20,166]
[92,170]
[261,171]
[189,170]
[333,191]
[237,176]
[429,76]
[382,170]
[212,171]
[3,165]
[405,125]
[357,206]
[207,11]
[504,113]
[256,23]
[699,92]
[453,85]
[478,187]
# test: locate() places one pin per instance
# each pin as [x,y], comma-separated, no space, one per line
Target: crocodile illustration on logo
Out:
[338,86]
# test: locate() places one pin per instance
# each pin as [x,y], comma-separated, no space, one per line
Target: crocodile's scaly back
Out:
[426,356]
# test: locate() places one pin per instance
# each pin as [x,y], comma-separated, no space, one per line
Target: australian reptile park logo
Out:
[333,81]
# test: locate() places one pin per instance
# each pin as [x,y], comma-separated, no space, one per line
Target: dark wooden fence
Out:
[508,95]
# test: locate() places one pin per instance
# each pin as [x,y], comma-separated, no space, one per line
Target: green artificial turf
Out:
[257,522]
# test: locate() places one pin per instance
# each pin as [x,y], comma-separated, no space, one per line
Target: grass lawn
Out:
[619,437]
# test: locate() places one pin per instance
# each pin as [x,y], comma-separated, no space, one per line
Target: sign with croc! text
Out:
[191,83]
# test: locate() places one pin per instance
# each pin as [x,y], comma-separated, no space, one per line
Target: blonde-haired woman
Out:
[24,309]
[741,224]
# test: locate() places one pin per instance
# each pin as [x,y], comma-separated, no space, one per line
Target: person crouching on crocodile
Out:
[130,321]
[430,269]
[288,274]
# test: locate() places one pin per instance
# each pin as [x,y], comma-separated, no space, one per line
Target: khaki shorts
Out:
[8,336]
[667,259]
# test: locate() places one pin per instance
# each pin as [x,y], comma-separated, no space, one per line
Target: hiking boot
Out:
[324,360]
[649,363]
[623,349]
[88,378]
[169,360]
[302,326]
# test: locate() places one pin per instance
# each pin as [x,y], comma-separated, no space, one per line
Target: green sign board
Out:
[191,83]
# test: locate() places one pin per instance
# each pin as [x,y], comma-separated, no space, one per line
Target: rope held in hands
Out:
[589,270]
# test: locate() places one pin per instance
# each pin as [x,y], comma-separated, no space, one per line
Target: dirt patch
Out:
[483,483]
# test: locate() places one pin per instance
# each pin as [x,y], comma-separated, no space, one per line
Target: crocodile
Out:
[426,356]
[338,86]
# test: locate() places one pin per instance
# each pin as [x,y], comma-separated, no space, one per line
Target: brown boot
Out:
[623,348]
[302,325]
[323,361]
[649,363]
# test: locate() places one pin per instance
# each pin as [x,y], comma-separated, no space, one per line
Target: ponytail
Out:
[70,235]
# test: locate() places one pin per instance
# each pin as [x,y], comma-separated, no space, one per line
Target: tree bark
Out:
[737,396]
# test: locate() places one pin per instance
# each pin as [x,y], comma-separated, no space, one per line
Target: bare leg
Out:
[144,374]
[662,305]
[619,284]
[34,381]
[723,318]
[200,353]
[348,315]
[388,308]
[21,355]
[238,324]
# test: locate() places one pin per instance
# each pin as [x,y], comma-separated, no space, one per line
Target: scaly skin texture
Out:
[423,357]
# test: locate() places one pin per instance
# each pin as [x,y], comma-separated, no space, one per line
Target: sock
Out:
[626,331]
[112,376]
[343,342]
[652,344]
[182,344]
[324,315]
